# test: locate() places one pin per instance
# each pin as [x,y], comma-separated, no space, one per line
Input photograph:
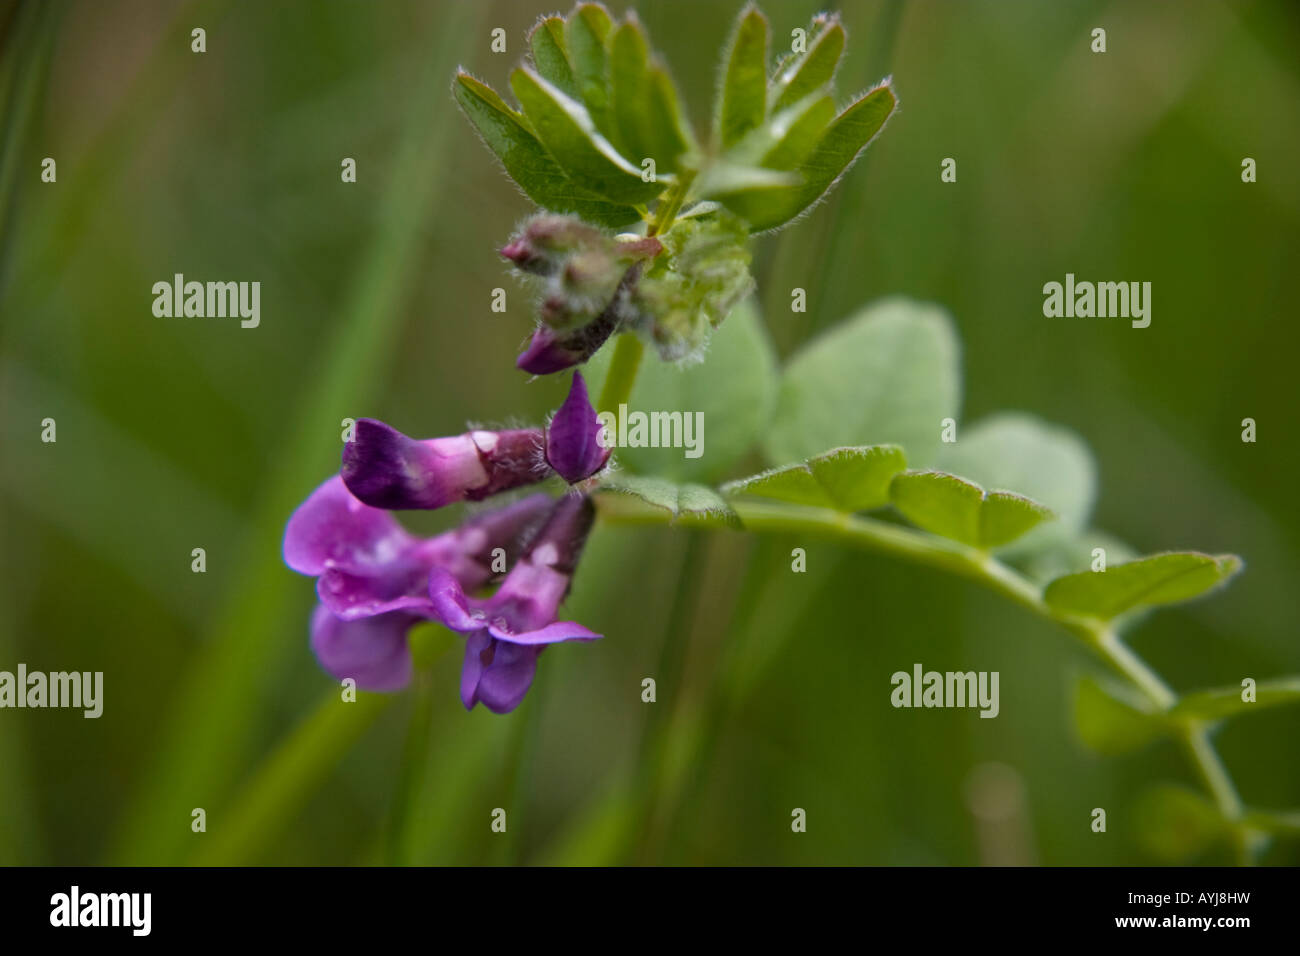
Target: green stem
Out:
[670,204]
[623,367]
[1097,635]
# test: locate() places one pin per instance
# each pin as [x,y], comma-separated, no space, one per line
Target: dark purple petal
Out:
[371,651]
[506,680]
[477,648]
[573,440]
[387,469]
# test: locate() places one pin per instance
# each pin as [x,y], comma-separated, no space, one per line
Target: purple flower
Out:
[373,576]
[573,439]
[368,564]
[386,469]
[506,632]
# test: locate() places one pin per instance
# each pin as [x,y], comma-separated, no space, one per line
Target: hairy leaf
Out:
[1160,579]
[688,503]
[803,73]
[566,130]
[955,508]
[527,162]
[1048,463]
[844,140]
[550,56]
[586,34]
[845,479]
[742,94]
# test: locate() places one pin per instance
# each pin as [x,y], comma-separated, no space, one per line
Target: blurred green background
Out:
[773,687]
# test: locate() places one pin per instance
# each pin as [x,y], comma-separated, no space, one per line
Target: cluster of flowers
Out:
[375,580]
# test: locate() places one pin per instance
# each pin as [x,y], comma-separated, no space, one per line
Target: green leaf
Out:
[1066,556]
[527,162]
[550,57]
[1160,579]
[844,479]
[587,32]
[844,140]
[1112,719]
[963,511]
[664,115]
[781,143]
[1227,701]
[887,375]
[742,94]
[566,130]
[643,103]
[689,503]
[1045,462]
[800,75]
[734,392]
[1175,824]
[727,181]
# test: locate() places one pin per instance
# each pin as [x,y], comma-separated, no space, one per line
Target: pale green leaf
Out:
[1111,719]
[844,479]
[1048,463]
[887,375]
[1160,579]
[1228,701]
[687,503]
[961,510]
[733,392]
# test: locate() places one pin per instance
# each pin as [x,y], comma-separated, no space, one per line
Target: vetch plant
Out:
[643,234]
